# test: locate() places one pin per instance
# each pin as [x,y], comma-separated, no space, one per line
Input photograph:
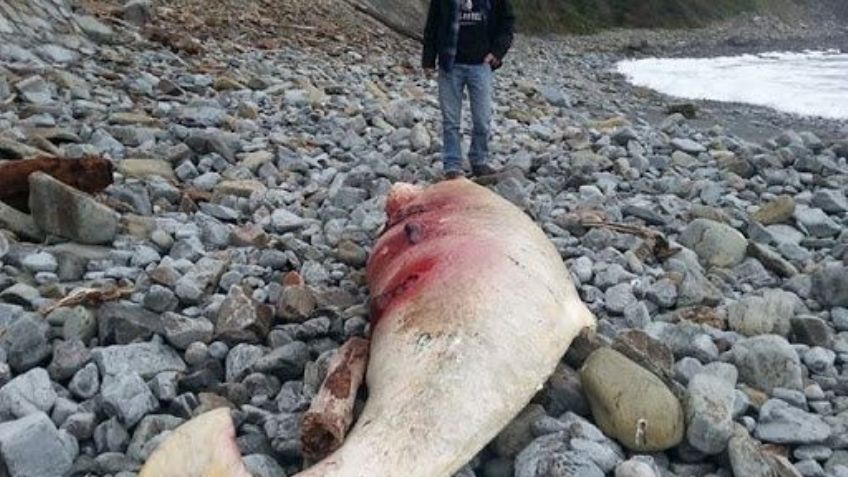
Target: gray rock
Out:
[116,463]
[79,323]
[200,280]
[128,398]
[205,142]
[791,396]
[420,138]
[819,360]
[144,438]
[123,322]
[64,211]
[110,436]
[685,339]
[80,425]
[610,275]
[165,386]
[32,446]
[21,294]
[551,456]
[831,201]
[663,293]
[518,434]
[709,413]
[781,423]
[603,455]
[35,90]
[284,221]
[241,319]
[27,394]
[190,249]
[717,244]
[686,369]
[26,344]
[748,459]
[181,331]
[636,467]
[68,358]
[619,298]
[812,452]
[86,383]
[95,29]
[830,285]
[583,268]
[240,361]
[766,362]
[63,408]
[56,54]
[696,290]
[160,299]
[286,362]
[817,222]
[138,12]
[812,331]
[637,316]
[40,262]
[146,359]
[284,432]
[769,314]
[402,114]
[687,145]
[263,465]
[558,98]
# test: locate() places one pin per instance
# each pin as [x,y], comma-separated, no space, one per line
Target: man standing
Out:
[470,39]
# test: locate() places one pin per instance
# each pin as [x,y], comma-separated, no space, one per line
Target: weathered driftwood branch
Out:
[89,296]
[89,174]
[392,24]
[657,242]
[331,413]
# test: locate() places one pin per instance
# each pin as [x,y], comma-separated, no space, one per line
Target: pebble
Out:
[80,218]
[715,243]
[769,314]
[29,393]
[766,362]
[710,408]
[241,319]
[781,423]
[32,446]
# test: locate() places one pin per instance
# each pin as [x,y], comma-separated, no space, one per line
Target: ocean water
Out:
[812,83]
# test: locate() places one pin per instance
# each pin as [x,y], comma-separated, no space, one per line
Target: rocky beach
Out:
[223,264]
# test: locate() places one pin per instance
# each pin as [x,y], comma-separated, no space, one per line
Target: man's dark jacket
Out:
[437,32]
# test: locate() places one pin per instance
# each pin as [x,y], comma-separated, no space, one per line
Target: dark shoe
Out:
[480,170]
[454,174]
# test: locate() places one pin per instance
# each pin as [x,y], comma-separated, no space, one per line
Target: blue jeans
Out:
[478,80]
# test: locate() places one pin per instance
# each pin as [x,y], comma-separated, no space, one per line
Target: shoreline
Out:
[751,122]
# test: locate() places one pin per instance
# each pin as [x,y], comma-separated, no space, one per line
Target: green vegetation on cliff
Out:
[583,16]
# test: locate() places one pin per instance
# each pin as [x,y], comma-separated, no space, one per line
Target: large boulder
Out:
[630,404]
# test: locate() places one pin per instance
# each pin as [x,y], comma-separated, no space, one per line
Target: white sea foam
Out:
[813,83]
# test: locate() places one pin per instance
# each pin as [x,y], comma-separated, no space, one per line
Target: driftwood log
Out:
[89,174]
[331,413]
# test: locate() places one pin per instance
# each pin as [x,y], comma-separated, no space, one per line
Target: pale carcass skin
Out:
[202,447]
[473,309]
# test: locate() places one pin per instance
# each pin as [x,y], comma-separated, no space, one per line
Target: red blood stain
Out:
[402,286]
[406,250]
